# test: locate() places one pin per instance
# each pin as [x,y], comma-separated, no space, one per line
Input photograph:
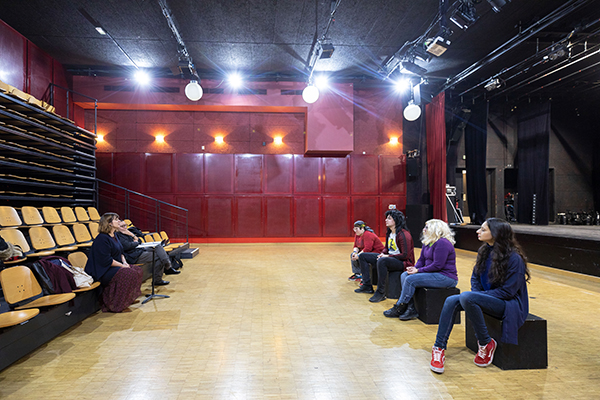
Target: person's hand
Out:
[411,270]
[382,255]
[354,256]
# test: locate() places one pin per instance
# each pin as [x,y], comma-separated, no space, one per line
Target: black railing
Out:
[50,97]
[145,212]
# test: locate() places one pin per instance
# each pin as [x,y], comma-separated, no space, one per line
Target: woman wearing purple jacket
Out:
[436,268]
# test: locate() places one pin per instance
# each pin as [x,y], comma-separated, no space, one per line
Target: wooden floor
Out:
[283,322]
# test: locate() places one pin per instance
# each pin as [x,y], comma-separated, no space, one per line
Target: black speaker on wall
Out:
[416,216]
[412,168]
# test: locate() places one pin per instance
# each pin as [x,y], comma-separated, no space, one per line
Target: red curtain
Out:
[436,155]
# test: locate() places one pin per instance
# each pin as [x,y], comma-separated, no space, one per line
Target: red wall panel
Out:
[335,175]
[219,216]
[278,173]
[392,171]
[248,173]
[196,215]
[104,167]
[278,219]
[190,173]
[218,173]
[364,175]
[367,209]
[40,70]
[128,170]
[248,219]
[12,57]
[158,173]
[307,215]
[336,216]
[307,174]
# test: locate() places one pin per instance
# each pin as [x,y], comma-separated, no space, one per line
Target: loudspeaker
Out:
[412,168]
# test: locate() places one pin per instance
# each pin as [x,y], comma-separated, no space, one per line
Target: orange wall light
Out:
[160,138]
[219,139]
[278,140]
[100,138]
[394,140]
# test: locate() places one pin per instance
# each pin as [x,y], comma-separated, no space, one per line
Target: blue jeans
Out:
[474,304]
[425,279]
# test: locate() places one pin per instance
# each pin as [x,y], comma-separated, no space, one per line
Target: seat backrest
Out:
[81,214]
[63,235]
[157,237]
[81,232]
[18,284]
[51,215]
[94,214]
[9,217]
[16,237]
[78,259]
[68,215]
[94,229]
[164,236]
[149,238]
[31,215]
[40,238]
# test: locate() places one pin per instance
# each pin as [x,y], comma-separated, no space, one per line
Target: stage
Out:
[573,248]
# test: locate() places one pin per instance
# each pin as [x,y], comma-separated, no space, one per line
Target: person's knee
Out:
[466,298]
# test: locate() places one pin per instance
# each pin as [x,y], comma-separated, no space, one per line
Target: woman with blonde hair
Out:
[436,268]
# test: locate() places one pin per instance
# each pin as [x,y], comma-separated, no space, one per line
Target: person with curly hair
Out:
[397,255]
[498,288]
[436,268]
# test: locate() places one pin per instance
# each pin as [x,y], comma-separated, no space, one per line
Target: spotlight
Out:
[278,140]
[494,83]
[142,77]
[219,139]
[310,94]
[321,82]
[100,138]
[326,49]
[394,140]
[193,90]
[556,53]
[497,4]
[402,85]
[235,80]
[465,15]
[160,138]
[413,68]
[412,111]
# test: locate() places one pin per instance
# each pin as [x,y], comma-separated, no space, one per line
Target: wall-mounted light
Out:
[193,90]
[100,138]
[310,94]
[219,139]
[394,140]
[160,138]
[278,140]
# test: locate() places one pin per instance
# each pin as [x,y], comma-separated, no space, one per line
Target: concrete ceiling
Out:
[272,39]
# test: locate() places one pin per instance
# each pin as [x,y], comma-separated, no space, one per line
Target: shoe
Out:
[365,289]
[438,358]
[162,282]
[355,277]
[171,271]
[485,355]
[410,313]
[377,297]
[395,311]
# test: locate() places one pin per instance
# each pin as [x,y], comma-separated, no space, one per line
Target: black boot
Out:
[377,297]
[396,311]
[365,289]
[410,313]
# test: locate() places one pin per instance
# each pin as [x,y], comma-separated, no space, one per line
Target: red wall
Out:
[265,195]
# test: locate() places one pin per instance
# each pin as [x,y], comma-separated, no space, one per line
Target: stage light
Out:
[142,77]
[235,80]
[160,138]
[402,85]
[100,30]
[493,84]
[100,138]
[437,46]
[394,140]
[278,140]
[219,139]
[326,49]
[321,82]
[497,4]
[413,68]
[310,94]
[465,15]
[412,111]
[193,90]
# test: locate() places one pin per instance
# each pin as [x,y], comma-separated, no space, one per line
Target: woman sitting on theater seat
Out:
[436,268]
[107,264]
[498,288]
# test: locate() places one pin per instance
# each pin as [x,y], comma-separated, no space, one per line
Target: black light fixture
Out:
[557,52]
[326,49]
[413,68]
[497,4]
[465,15]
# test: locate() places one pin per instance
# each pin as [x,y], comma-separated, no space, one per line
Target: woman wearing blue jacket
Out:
[498,288]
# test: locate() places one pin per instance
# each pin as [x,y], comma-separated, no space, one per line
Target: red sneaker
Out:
[437,360]
[485,355]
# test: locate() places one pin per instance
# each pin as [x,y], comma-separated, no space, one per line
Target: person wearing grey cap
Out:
[365,240]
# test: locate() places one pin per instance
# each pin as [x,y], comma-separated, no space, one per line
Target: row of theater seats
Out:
[31,216]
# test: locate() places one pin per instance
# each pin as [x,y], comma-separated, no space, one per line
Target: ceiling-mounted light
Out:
[407,66]
[193,90]
[412,111]
[556,53]
[310,94]
[235,80]
[326,49]
[494,83]
[142,77]
[437,46]
[497,4]
[465,15]
[100,30]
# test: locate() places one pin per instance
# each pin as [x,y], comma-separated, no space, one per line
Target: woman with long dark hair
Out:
[498,288]
[398,253]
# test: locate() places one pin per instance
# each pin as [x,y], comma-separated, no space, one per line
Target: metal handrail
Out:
[51,101]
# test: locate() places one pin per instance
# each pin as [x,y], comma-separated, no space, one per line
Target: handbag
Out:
[82,279]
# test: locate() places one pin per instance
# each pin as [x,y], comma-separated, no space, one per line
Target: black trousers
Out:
[383,266]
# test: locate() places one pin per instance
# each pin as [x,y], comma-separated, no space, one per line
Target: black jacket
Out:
[130,250]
